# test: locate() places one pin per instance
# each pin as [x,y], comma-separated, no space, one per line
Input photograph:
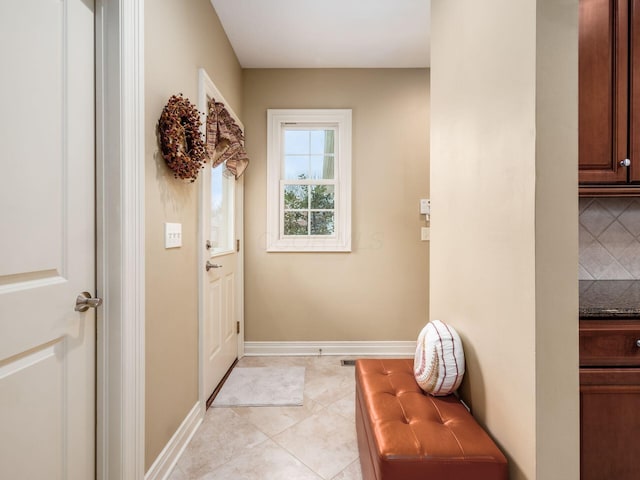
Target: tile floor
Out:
[313,442]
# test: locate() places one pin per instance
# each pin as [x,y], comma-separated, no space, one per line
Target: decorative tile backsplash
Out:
[609,239]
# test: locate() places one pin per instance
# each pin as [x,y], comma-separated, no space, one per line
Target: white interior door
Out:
[221,286]
[47,246]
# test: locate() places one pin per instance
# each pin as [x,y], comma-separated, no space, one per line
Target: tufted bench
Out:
[404,434]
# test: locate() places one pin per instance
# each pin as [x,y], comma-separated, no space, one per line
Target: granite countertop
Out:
[609,299]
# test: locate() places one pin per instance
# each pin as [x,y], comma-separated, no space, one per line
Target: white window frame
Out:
[277,120]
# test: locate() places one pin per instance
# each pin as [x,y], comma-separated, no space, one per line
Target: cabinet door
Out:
[609,422]
[603,91]
[634,127]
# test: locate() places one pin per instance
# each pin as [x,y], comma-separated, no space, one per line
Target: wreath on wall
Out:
[181,143]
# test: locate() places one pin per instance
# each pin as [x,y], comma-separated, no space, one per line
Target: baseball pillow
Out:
[439,361]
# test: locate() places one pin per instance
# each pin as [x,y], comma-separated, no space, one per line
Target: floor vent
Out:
[348,363]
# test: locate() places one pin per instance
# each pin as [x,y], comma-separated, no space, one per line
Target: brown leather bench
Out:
[405,434]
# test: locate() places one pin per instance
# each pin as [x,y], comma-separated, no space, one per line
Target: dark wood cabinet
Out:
[609,399]
[609,97]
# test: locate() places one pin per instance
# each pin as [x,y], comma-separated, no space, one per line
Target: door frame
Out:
[120,239]
[206,86]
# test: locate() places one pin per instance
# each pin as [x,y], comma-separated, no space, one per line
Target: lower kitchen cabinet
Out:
[610,422]
[609,399]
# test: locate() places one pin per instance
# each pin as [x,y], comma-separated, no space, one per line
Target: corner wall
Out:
[504,219]
[180,37]
[379,291]
[557,373]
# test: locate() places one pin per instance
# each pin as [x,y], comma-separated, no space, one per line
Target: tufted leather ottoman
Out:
[404,434]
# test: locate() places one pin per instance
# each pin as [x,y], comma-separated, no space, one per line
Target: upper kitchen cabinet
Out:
[609,97]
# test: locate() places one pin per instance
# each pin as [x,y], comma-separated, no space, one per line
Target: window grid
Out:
[309,153]
[309,210]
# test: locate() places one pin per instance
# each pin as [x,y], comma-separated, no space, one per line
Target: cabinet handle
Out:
[625,163]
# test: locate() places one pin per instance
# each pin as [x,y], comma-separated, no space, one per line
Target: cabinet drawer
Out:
[609,343]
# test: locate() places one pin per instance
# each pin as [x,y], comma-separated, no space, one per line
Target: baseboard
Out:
[166,461]
[381,348]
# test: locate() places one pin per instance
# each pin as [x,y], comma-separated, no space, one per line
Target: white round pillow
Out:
[439,361]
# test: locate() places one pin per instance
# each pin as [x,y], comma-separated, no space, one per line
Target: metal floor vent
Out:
[348,363]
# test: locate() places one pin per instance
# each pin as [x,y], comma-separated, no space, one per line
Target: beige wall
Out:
[379,291]
[504,223]
[180,37]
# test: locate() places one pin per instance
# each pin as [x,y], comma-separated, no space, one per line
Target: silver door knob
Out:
[210,265]
[84,302]
[638,343]
[625,163]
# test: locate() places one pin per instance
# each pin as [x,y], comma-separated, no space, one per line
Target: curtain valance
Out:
[225,140]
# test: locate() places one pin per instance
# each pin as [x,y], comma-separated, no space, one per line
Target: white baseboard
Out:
[382,348]
[166,461]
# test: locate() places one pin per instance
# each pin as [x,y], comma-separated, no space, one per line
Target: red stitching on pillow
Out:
[455,358]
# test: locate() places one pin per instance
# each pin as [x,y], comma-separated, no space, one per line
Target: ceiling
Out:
[327,33]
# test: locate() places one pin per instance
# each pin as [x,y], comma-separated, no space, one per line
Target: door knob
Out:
[210,265]
[625,163]
[84,302]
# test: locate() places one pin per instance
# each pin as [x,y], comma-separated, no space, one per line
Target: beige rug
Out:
[262,387]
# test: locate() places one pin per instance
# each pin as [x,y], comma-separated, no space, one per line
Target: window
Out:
[309,180]
[222,231]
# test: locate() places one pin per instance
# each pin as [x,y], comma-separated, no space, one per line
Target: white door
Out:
[221,285]
[220,306]
[47,246]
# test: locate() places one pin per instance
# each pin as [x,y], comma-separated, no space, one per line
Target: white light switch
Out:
[172,235]
[425,234]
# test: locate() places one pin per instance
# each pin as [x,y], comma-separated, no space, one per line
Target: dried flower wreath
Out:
[180,140]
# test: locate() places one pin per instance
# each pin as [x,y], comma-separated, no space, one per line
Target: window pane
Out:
[296,141]
[322,223]
[322,167]
[329,141]
[322,197]
[296,196]
[296,223]
[296,167]
[321,141]
[221,223]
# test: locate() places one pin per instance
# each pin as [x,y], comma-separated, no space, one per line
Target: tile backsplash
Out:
[609,239]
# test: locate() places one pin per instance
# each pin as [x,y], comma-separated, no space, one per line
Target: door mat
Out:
[262,387]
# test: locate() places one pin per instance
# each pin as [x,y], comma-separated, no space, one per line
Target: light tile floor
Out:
[313,442]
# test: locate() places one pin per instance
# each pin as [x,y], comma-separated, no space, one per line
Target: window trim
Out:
[341,120]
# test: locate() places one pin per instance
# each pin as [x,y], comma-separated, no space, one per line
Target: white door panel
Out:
[230,290]
[219,316]
[213,319]
[47,246]
[220,286]
[220,337]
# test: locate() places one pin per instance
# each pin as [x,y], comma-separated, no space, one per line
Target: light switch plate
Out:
[425,234]
[172,235]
